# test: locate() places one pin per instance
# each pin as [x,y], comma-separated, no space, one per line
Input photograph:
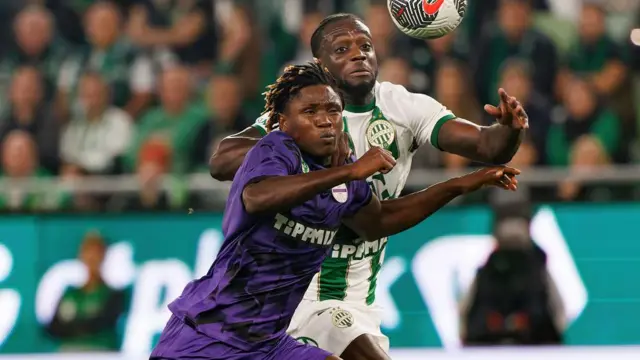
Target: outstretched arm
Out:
[228,157]
[276,193]
[379,219]
[496,144]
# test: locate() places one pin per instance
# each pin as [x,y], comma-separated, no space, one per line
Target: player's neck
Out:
[360,103]
[324,161]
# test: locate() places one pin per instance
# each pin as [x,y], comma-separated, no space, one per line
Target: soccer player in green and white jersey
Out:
[338,313]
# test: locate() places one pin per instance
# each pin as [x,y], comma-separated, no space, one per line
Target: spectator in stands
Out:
[100,133]
[516,79]
[452,90]
[27,111]
[586,139]
[69,16]
[427,55]
[597,57]
[20,162]
[225,105]
[188,28]
[34,44]
[595,54]
[129,73]
[86,317]
[176,121]
[153,162]
[514,37]
[480,15]
[299,50]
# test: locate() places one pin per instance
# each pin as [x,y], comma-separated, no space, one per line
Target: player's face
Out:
[348,53]
[313,119]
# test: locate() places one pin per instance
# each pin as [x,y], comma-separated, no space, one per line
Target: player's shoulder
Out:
[393,93]
[278,141]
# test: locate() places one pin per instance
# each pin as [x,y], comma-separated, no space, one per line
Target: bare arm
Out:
[228,157]
[495,144]
[281,192]
[386,218]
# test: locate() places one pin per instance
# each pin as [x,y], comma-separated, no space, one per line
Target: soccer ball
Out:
[427,19]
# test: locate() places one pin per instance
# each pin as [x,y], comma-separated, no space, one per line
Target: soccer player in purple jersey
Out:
[281,217]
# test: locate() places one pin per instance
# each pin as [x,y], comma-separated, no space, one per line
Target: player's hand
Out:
[373,161]
[509,112]
[502,177]
[343,151]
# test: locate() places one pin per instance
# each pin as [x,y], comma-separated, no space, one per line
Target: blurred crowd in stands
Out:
[148,87]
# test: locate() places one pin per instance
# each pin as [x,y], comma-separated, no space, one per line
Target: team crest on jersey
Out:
[341,318]
[340,193]
[381,133]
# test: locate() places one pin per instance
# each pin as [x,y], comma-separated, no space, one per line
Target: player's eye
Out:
[310,111]
[335,110]
[366,47]
[341,49]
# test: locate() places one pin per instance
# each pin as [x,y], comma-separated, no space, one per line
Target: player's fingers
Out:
[510,170]
[492,110]
[522,117]
[503,95]
[500,184]
[389,157]
[386,167]
[334,160]
[506,184]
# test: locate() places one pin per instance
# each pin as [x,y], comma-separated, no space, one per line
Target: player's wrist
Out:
[458,185]
[350,172]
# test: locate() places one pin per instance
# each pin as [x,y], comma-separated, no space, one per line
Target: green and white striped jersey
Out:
[399,121]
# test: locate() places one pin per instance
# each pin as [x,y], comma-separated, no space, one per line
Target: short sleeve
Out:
[361,197]
[426,118]
[274,155]
[424,115]
[261,124]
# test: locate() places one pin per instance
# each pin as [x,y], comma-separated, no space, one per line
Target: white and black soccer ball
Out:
[427,19]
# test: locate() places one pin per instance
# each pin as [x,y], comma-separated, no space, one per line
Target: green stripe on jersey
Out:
[436,129]
[376,265]
[332,282]
[261,130]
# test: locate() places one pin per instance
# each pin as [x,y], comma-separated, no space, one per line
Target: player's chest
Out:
[367,130]
[316,221]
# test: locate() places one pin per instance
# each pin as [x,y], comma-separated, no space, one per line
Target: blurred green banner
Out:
[594,256]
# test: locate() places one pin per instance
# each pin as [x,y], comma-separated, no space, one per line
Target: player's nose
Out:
[324,122]
[358,55]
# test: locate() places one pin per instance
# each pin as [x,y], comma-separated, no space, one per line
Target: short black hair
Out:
[318,34]
[289,84]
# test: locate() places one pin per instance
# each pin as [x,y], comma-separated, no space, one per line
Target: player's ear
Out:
[283,124]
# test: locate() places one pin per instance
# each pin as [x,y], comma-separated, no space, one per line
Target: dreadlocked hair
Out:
[289,84]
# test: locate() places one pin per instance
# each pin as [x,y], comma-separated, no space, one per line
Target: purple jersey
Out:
[267,261]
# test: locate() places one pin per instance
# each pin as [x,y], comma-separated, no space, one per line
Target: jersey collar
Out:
[363,108]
